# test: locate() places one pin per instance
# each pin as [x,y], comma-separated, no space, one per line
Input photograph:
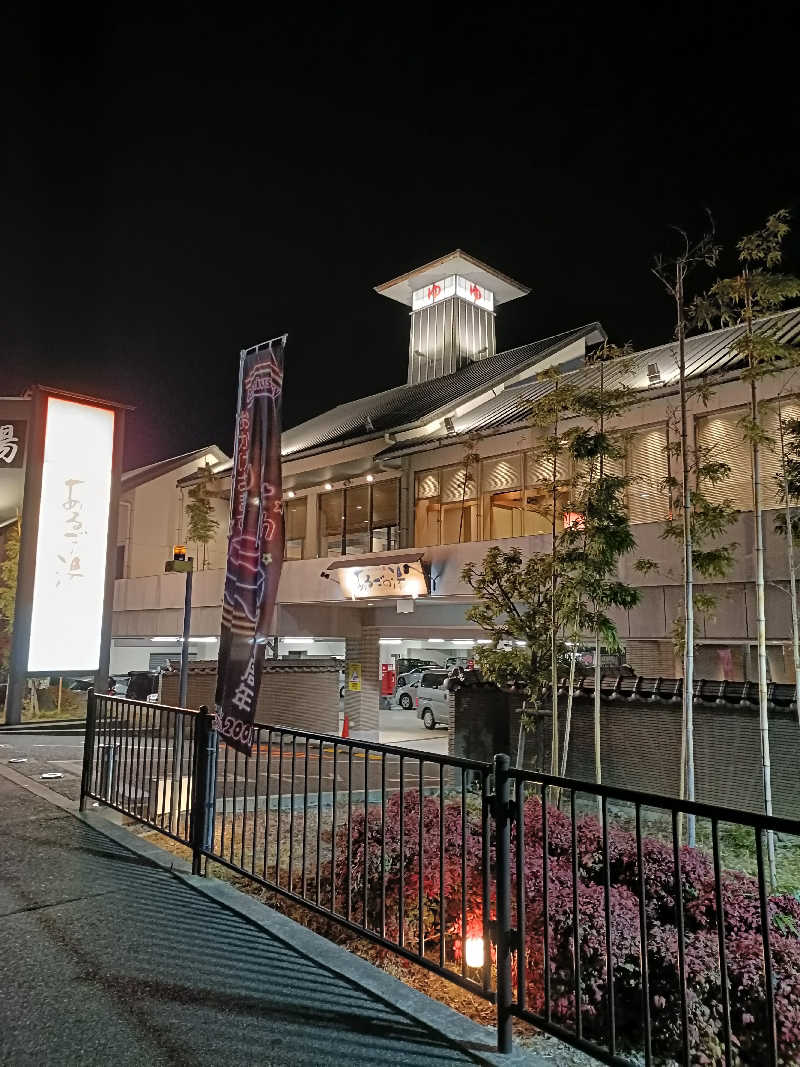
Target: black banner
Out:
[255,542]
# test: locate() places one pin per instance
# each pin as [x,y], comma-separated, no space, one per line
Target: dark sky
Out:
[178,185]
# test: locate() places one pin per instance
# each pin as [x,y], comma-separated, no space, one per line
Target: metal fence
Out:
[569,905]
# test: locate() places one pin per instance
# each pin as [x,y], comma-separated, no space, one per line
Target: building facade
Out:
[383,508]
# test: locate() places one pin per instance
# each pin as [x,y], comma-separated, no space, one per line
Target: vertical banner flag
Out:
[255,542]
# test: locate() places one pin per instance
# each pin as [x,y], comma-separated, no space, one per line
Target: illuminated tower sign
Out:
[452,303]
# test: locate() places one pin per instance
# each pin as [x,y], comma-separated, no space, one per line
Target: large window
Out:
[648,469]
[446,507]
[360,519]
[720,437]
[294,519]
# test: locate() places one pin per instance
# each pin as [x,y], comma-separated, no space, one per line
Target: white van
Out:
[433,702]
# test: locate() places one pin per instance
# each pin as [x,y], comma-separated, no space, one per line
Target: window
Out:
[331,520]
[647,466]
[719,438]
[427,509]
[386,515]
[360,519]
[119,562]
[294,518]
[446,507]
[503,501]
[356,521]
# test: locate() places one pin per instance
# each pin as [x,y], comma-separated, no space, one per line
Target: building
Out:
[380,517]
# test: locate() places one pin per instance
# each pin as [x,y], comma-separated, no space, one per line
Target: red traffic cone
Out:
[346,727]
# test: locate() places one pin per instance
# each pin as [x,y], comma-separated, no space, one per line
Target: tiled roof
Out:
[406,405]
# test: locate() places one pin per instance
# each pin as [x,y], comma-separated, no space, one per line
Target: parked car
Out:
[143,685]
[433,699]
[406,687]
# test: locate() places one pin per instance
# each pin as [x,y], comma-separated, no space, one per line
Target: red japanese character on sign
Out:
[434,290]
[475,292]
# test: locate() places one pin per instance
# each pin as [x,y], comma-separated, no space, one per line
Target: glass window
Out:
[426,510]
[648,470]
[385,515]
[356,521]
[331,520]
[503,500]
[294,520]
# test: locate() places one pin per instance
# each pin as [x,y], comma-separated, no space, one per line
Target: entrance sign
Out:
[70,576]
[385,580]
[255,542]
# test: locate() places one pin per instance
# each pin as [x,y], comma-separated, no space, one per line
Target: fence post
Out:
[503,932]
[204,780]
[88,747]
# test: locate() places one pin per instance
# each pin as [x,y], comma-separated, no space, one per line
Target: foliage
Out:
[9,568]
[201,524]
[756,290]
[514,604]
[376,855]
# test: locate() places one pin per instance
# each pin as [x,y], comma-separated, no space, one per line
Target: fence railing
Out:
[569,905]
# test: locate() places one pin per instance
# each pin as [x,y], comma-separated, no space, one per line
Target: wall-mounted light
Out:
[328,486]
[290,494]
[370,478]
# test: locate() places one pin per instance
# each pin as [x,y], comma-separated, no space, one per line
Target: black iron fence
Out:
[572,906]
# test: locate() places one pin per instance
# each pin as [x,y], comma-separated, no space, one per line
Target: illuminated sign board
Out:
[384,579]
[12,443]
[69,582]
[454,285]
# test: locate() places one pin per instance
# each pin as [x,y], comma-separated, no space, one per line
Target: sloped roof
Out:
[406,405]
[138,476]
[707,353]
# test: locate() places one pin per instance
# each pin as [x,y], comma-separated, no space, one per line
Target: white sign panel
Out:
[433,293]
[69,583]
[474,293]
[454,285]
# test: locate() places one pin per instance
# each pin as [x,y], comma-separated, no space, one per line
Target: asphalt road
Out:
[274,773]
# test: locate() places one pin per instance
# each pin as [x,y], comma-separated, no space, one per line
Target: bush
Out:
[442,911]
[748,999]
[742,907]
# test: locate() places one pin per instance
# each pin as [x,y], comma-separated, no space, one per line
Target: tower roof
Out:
[458,262]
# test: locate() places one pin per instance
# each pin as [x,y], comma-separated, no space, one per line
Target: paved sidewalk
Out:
[109,958]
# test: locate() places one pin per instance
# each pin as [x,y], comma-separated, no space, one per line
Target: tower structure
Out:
[453,303]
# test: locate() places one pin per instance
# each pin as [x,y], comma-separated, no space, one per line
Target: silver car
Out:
[406,688]
[433,700]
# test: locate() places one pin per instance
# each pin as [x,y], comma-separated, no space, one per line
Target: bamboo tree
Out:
[673,274]
[594,546]
[202,526]
[548,413]
[756,290]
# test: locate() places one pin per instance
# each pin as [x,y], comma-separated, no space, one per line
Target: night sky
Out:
[179,185]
